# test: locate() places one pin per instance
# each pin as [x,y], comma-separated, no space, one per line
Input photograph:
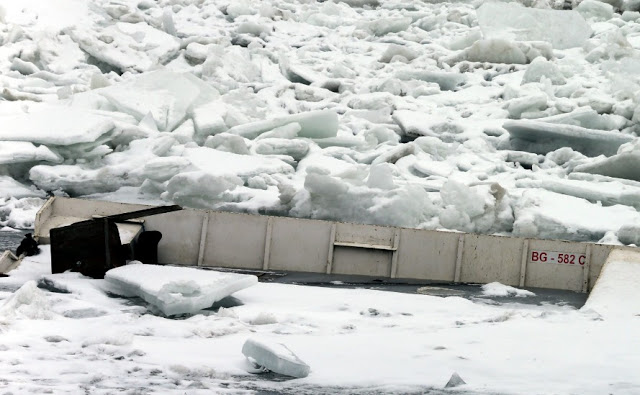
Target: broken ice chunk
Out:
[543,137]
[380,27]
[313,124]
[55,125]
[28,302]
[513,21]
[20,151]
[625,165]
[539,68]
[127,46]
[175,290]
[447,81]
[455,381]
[297,149]
[166,95]
[221,163]
[498,289]
[276,357]
[549,215]
[11,188]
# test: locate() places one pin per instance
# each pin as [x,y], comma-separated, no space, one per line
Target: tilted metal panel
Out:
[234,240]
[599,255]
[427,254]
[299,245]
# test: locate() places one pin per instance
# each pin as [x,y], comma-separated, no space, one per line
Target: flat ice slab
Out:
[624,165]
[276,357]
[175,290]
[616,293]
[543,137]
[55,125]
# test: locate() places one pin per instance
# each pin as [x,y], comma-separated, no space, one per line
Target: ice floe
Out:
[175,290]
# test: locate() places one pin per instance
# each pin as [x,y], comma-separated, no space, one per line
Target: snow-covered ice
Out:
[616,292]
[175,290]
[275,357]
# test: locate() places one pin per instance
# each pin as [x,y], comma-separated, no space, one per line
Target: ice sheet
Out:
[176,290]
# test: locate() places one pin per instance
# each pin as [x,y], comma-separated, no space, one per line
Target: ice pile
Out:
[426,115]
[28,302]
[175,290]
[275,357]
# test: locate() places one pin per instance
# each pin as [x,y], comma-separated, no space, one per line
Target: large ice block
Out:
[126,46]
[563,29]
[176,290]
[624,165]
[22,151]
[55,125]
[314,124]
[543,137]
[166,95]
[616,293]
[276,357]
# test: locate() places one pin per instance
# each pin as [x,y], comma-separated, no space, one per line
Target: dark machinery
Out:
[92,247]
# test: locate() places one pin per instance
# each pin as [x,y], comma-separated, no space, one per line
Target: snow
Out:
[80,336]
[616,293]
[175,290]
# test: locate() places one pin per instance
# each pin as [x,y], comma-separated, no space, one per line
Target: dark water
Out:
[468,291]
[11,240]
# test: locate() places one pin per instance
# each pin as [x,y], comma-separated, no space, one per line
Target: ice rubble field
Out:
[484,117]
[69,336]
